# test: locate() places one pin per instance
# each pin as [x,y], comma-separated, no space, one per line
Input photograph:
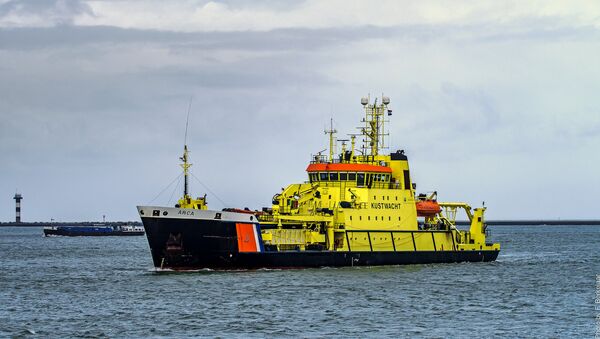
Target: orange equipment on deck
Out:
[428,208]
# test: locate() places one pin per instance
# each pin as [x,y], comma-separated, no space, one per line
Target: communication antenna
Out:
[187,120]
[184,158]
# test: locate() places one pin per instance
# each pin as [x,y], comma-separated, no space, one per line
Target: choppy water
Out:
[543,285]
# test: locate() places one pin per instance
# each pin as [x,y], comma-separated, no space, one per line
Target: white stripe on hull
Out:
[189,213]
[256,238]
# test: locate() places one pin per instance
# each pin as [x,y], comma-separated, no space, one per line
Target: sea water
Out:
[544,284]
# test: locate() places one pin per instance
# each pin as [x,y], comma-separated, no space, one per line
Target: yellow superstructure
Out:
[364,200]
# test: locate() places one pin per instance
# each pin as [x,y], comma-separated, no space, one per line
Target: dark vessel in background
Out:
[95,230]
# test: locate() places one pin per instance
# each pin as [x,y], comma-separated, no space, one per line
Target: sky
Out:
[495,101]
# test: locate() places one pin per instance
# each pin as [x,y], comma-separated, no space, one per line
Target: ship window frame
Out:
[323,176]
[333,176]
[406,178]
[352,176]
[358,176]
[343,176]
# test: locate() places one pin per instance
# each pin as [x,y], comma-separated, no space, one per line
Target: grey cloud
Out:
[293,39]
[57,12]
[288,39]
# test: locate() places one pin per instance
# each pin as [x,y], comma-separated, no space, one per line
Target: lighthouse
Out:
[18,197]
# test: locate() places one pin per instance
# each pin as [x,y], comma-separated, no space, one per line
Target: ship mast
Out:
[374,123]
[331,133]
[185,165]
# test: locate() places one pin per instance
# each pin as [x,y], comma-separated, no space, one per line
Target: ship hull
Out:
[208,243]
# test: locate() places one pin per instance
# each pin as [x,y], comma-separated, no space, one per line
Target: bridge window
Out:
[352,176]
[333,176]
[323,176]
[360,179]
[343,176]
[406,180]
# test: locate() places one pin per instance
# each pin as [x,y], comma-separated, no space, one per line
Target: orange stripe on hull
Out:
[246,238]
[347,168]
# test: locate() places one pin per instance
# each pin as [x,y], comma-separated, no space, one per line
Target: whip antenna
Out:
[187,120]
[184,158]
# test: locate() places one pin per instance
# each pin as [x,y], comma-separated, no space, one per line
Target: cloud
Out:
[41,13]
[231,16]
[211,16]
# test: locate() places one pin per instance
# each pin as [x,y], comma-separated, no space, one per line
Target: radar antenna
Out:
[374,120]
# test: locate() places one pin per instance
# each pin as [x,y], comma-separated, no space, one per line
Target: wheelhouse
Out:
[359,175]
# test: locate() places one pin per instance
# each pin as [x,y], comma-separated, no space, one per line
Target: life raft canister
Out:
[428,208]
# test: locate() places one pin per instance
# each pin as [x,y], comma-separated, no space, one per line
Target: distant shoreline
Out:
[459,222]
[536,222]
[69,223]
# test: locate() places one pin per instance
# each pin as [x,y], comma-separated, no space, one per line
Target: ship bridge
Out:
[359,175]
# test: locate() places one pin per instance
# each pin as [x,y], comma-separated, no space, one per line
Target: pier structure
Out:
[18,197]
